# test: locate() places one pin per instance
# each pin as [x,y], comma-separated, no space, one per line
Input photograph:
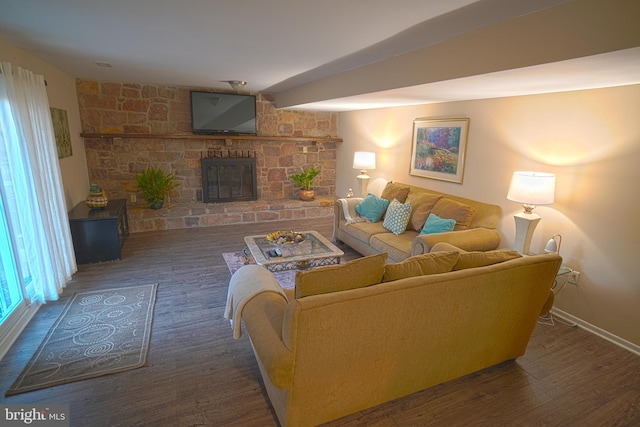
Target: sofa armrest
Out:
[263,318]
[473,239]
[339,210]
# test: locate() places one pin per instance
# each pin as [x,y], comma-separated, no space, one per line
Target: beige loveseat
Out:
[326,355]
[475,228]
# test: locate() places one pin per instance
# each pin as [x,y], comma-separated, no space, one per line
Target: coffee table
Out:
[314,251]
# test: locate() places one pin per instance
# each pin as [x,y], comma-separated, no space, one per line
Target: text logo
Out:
[34,415]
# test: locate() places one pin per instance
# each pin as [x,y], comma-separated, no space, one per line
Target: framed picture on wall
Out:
[439,148]
[61,131]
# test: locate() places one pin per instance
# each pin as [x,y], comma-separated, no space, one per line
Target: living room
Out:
[590,139]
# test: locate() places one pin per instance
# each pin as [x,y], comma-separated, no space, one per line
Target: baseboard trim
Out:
[627,345]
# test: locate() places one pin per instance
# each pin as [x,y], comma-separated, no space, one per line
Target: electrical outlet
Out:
[134,198]
[574,277]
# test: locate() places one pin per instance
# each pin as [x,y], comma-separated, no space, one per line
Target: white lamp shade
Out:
[364,160]
[533,188]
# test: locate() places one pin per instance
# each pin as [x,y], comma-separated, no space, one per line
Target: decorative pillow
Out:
[421,265]
[393,190]
[421,205]
[448,208]
[372,207]
[435,224]
[480,259]
[358,273]
[397,217]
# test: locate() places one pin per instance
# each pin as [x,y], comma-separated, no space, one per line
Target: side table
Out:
[562,277]
[98,234]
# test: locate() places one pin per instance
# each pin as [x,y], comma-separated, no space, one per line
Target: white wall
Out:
[589,139]
[61,91]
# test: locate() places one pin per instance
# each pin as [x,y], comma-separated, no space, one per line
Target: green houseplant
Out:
[304,180]
[155,186]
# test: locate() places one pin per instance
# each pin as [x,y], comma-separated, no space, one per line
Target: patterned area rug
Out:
[235,260]
[98,333]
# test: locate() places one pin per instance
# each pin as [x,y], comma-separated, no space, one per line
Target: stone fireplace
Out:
[128,127]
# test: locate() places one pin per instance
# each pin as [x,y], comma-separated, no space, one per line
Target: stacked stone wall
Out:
[163,113]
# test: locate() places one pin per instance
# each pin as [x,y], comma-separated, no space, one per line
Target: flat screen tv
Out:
[214,113]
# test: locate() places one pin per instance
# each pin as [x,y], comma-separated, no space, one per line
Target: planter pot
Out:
[157,205]
[307,195]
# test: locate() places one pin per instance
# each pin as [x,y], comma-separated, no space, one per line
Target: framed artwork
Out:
[61,131]
[439,148]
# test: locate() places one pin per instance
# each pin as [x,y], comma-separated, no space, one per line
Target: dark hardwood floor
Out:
[198,375]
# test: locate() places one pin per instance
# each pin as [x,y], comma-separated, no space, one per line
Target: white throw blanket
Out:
[349,211]
[246,283]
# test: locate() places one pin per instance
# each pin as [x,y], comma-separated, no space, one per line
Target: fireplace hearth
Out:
[229,177]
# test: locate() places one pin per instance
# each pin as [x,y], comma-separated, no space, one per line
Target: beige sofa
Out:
[475,228]
[327,355]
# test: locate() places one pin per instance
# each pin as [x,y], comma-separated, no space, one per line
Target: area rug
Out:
[235,260]
[98,333]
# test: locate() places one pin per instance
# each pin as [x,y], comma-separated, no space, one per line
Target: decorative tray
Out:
[285,237]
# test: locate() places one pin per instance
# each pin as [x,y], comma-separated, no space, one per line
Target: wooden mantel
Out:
[214,137]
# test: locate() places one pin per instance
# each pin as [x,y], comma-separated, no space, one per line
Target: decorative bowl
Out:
[285,237]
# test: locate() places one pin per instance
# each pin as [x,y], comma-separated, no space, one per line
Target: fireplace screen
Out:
[229,180]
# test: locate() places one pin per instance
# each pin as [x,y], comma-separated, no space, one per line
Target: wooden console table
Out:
[98,234]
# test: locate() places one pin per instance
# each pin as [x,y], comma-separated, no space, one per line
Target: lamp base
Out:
[525,225]
[364,183]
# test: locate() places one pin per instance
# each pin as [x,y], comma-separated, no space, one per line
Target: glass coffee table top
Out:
[314,251]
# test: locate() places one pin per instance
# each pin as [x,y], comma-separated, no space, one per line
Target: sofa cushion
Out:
[398,246]
[480,259]
[397,217]
[421,205]
[357,273]
[393,190]
[372,207]
[363,230]
[448,208]
[435,224]
[421,265]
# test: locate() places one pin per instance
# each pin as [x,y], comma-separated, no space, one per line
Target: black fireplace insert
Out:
[229,180]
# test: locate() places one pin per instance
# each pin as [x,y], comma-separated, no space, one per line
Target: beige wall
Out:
[589,139]
[61,91]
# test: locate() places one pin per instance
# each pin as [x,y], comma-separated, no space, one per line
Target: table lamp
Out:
[553,244]
[364,160]
[530,189]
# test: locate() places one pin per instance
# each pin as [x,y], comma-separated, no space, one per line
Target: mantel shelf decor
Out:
[214,137]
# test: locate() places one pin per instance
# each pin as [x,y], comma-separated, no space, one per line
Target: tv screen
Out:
[215,113]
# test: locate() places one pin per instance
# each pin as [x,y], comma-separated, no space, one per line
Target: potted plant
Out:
[304,181]
[155,186]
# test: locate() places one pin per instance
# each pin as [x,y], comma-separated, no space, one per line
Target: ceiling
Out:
[285,47]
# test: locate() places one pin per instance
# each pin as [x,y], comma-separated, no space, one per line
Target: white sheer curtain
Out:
[31,184]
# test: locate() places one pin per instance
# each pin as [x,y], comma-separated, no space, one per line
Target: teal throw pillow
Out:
[435,224]
[397,217]
[372,207]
